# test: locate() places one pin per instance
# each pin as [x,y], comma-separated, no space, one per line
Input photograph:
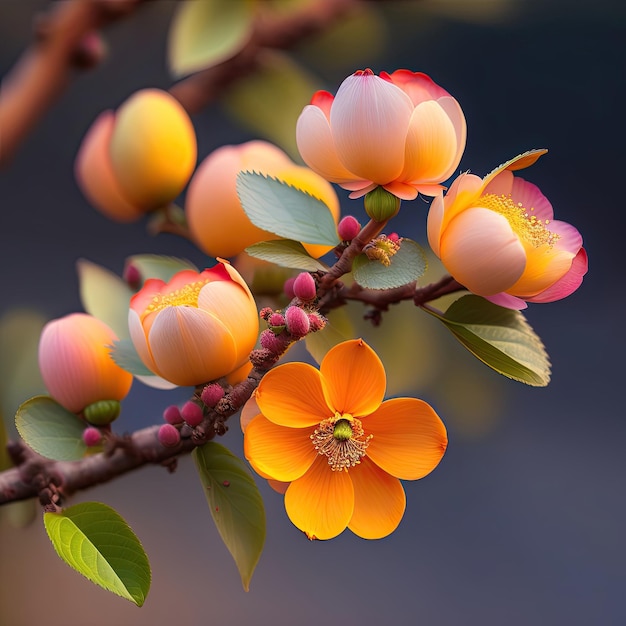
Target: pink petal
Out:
[482,252]
[569,240]
[520,190]
[568,284]
[317,146]
[507,301]
[369,121]
[402,190]
[417,85]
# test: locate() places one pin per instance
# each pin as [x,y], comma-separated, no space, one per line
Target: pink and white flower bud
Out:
[92,436]
[192,413]
[304,287]
[172,415]
[168,436]
[297,320]
[348,228]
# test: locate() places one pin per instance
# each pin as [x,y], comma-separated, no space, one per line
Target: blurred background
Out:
[523,521]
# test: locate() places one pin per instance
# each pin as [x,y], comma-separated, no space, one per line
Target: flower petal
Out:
[379,501]
[320,503]
[507,301]
[190,346]
[317,147]
[140,342]
[520,190]
[369,121]
[277,452]
[408,439]
[291,395]
[482,252]
[353,378]
[568,284]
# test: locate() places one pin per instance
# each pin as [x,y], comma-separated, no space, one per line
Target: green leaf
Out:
[235,503]
[270,100]
[50,429]
[286,211]
[286,253]
[94,539]
[124,354]
[206,32]
[407,265]
[501,338]
[339,328]
[104,295]
[158,266]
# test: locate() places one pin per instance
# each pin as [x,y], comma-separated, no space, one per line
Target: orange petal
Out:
[284,454]
[409,438]
[291,395]
[379,501]
[353,378]
[320,503]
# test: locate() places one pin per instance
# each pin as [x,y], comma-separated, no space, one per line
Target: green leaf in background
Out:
[104,295]
[158,266]
[339,328]
[236,505]
[286,211]
[50,429]
[501,338]
[124,354]
[94,539]
[407,265]
[270,100]
[204,33]
[286,253]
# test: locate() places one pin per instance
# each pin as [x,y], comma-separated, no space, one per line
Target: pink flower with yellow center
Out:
[342,450]
[76,365]
[497,237]
[197,327]
[400,131]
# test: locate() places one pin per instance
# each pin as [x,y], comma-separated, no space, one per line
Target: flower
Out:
[195,328]
[497,237]
[342,450]
[76,365]
[400,131]
[216,219]
[139,158]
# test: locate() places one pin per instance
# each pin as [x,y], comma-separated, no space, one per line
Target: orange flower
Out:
[342,449]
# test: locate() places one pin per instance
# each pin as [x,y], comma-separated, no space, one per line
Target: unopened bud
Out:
[316,321]
[192,413]
[381,205]
[172,415]
[132,276]
[288,287]
[102,412]
[297,320]
[212,394]
[274,343]
[304,287]
[92,436]
[348,228]
[168,436]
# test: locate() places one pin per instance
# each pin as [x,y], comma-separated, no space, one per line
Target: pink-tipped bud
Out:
[168,436]
[192,413]
[297,320]
[132,276]
[172,415]
[393,237]
[276,319]
[92,436]
[288,287]
[317,322]
[273,343]
[348,228]
[304,287]
[212,394]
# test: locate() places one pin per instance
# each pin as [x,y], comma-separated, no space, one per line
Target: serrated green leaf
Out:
[50,429]
[235,503]
[270,100]
[96,541]
[286,253]
[501,338]
[286,211]
[104,295]
[124,354]
[158,266]
[204,33]
[407,265]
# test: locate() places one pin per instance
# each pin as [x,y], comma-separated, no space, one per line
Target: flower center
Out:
[185,296]
[522,221]
[342,440]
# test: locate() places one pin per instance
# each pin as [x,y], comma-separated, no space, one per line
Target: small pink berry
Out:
[393,237]
[172,415]
[132,276]
[304,287]
[276,319]
[192,413]
[288,287]
[348,228]
[92,436]
[168,435]
[212,394]
[297,320]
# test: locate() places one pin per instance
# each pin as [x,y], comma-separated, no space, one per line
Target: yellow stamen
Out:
[185,296]
[526,226]
[342,440]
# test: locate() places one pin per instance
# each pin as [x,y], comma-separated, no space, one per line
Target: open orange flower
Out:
[342,449]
